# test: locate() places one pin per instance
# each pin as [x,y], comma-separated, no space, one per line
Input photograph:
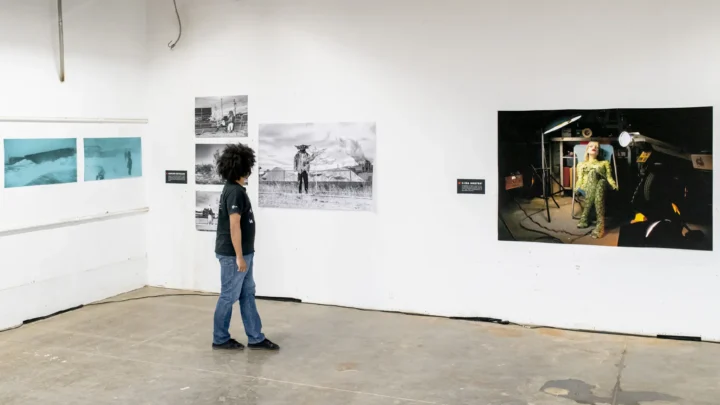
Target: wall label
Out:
[176,176]
[467,186]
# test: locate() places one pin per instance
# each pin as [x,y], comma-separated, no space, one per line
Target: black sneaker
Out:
[264,345]
[231,344]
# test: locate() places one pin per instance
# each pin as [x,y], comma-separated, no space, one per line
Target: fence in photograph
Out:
[208,125]
[335,182]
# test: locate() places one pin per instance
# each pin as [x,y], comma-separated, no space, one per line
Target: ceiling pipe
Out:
[62,42]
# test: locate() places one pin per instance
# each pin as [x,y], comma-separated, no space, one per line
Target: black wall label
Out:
[176,176]
[465,186]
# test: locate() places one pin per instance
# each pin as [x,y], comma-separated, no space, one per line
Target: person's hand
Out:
[242,266]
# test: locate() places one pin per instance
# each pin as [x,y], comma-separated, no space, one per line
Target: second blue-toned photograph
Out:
[112,158]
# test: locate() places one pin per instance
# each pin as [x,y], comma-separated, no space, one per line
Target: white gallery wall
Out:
[433,75]
[69,244]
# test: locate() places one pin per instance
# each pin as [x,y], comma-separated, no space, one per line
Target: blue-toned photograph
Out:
[34,162]
[112,158]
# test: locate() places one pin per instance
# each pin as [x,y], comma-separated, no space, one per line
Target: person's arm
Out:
[235,207]
[610,178]
[580,182]
[236,237]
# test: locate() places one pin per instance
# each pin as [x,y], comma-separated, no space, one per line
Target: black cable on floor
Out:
[549,236]
[528,216]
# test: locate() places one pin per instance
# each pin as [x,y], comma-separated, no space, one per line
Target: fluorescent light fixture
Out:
[562,124]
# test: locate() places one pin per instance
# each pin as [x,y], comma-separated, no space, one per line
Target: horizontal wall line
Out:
[69,275]
[77,120]
[74,222]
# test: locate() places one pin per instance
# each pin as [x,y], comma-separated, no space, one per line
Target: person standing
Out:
[231,122]
[129,163]
[302,167]
[235,250]
[211,216]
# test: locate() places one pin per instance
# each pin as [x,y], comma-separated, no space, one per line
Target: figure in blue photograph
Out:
[128,157]
[112,158]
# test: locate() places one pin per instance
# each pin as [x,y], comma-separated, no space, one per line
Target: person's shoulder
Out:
[236,189]
[230,189]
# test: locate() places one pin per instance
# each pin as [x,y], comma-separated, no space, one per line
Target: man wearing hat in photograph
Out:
[302,166]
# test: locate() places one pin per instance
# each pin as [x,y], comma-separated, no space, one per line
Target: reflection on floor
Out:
[157,351]
[527,221]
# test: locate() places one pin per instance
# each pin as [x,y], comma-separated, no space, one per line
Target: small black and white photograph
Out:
[221,117]
[325,166]
[206,156]
[207,204]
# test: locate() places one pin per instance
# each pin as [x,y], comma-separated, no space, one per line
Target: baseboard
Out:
[46,297]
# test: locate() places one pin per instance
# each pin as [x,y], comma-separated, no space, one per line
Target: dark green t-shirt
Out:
[234,200]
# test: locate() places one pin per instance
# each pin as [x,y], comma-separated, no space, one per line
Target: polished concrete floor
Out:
[157,351]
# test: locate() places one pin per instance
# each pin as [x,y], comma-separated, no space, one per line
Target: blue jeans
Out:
[236,286]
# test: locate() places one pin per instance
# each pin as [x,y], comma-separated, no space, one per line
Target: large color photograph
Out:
[317,166]
[33,162]
[616,177]
[112,158]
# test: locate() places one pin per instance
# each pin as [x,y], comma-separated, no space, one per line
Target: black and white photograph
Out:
[206,156]
[221,117]
[317,166]
[615,177]
[35,162]
[207,204]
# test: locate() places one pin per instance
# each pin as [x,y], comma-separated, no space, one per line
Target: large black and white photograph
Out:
[317,166]
[614,177]
[207,204]
[221,117]
[206,156]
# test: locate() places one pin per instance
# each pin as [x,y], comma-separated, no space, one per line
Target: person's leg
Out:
[589,201]
[248,308]
[305,179]
[249,312]
[599,230]
[300,183]
[230,285]
[587,210]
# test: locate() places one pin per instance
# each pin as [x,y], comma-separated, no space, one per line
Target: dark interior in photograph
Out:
[614,177]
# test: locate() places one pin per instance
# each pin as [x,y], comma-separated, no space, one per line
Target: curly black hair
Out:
[235,162]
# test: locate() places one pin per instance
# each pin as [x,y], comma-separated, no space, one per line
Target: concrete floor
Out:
[157,351]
